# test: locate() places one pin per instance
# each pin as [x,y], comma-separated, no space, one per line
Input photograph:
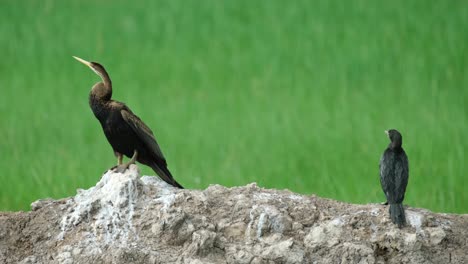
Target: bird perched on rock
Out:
[125,131]
[394,172]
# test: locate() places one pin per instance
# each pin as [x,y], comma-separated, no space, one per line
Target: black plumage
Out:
[394,172]
[125,131]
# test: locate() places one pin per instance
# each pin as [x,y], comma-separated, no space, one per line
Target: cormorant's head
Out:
[96,67]
[395,137]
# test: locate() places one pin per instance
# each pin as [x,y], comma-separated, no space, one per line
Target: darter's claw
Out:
[121,168]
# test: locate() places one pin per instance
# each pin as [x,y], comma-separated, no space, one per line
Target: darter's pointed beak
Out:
[386,132]
[87,63]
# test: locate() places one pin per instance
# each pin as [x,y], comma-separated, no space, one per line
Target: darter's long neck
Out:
[101,94]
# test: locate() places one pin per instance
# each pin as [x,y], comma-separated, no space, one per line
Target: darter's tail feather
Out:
[166,175]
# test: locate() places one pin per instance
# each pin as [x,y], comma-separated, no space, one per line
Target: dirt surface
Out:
[126,218]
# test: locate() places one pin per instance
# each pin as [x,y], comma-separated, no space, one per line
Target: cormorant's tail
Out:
[397,214]
[166,175]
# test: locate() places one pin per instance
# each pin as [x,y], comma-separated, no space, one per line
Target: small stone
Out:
[436,234]
[77,251]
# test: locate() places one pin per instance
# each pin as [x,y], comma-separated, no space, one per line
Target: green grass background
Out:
[289,94]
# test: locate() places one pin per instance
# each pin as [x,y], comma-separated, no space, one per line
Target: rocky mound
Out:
[126,218]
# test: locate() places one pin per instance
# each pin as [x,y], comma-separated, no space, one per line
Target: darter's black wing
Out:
[144,133]
[156,161]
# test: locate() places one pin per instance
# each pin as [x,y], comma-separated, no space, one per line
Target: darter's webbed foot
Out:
[384,203]
[121,168]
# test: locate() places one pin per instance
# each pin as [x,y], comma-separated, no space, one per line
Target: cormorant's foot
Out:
[384,203]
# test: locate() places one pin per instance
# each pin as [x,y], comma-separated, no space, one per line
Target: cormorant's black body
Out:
[394,171]
[124,130]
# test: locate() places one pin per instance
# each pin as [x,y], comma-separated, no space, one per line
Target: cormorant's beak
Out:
[87,63]
[386,132]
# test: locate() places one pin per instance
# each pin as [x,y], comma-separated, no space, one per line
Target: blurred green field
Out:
[287,94]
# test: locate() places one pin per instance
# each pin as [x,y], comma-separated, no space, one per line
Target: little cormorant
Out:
[394,172]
